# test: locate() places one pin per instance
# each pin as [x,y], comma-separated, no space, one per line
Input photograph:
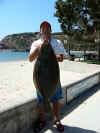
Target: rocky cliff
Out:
[20,41]
[23,41]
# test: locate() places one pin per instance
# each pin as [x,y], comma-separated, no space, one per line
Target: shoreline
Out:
[15,50]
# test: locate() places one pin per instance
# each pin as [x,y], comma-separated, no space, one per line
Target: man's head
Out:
[45,30]
[46,25]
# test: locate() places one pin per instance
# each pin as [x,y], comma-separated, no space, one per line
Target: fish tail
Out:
[47,106]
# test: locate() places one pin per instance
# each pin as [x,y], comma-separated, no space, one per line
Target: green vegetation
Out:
[73,13]
[92,62]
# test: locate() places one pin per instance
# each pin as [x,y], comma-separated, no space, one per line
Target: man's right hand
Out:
[40,46]
[34,54]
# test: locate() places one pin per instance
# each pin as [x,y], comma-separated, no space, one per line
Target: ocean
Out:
[8,55]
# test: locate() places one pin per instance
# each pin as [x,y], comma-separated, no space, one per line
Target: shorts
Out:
[57,96]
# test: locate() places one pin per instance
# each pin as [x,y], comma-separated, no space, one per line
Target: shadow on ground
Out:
[68,108]
[67,129]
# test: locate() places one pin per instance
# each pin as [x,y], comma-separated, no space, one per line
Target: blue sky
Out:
[18,16]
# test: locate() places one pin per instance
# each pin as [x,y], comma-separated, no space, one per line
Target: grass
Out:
[92,62]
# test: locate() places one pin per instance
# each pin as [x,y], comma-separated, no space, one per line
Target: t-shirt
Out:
[57,46]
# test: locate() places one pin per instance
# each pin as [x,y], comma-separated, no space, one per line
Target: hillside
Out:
[21,41]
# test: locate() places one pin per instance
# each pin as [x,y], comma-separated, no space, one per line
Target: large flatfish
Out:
[46,74]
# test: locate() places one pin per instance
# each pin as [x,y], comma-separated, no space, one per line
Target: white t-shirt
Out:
[57,46]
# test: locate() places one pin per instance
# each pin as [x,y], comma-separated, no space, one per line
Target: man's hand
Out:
[46,42]
[34,54]
[59,58]
[39,46]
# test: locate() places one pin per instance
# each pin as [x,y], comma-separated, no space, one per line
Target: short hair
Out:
[45,24]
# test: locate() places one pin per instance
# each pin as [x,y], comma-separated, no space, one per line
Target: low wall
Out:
[18,119]
[75,89]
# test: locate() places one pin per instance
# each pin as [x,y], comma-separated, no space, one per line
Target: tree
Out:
[80,17]
[94,6]
[68,13]
[72,15]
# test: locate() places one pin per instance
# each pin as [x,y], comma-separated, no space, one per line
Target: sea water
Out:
[8,55]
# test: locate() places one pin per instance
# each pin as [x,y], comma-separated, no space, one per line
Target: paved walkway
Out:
[79,116]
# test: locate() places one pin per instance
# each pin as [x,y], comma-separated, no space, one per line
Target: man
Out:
[45,30]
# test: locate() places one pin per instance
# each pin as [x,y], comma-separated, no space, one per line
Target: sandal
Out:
[59,126]
[38,126]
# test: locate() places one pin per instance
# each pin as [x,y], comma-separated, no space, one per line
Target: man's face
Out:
[45,33]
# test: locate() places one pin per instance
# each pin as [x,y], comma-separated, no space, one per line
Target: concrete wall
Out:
[75,89]
[17,119]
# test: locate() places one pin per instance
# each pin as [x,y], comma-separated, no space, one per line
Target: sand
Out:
[16,84]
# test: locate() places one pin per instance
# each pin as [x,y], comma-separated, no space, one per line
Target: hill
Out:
[21,41]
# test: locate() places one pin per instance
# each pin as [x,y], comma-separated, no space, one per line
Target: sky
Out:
[18,16]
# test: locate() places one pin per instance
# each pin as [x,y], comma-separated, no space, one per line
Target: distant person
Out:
[45,31]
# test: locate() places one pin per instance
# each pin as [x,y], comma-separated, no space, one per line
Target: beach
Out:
[16,80]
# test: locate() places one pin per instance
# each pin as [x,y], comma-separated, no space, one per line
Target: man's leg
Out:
[56,107]
[55,101]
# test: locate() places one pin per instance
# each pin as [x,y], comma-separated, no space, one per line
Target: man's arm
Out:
[59,50]
[34,54]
